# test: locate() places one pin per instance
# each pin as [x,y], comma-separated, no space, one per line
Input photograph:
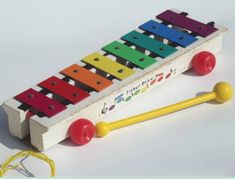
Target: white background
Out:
[39,38]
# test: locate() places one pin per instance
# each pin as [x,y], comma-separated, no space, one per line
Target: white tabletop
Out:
[39,38]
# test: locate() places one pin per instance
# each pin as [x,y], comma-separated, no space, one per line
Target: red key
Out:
[40,102]
[64,89]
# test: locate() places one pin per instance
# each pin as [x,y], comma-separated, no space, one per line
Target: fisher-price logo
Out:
[136,90]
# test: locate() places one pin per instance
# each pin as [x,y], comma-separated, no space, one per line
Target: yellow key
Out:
[222,92]
[109,66]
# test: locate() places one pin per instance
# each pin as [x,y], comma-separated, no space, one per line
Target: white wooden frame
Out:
[45,132]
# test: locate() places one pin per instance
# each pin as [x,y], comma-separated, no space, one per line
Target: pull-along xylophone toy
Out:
[64,105]
[222,92]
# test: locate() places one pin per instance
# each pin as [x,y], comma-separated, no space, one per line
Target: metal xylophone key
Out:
[182,21]
[180,38]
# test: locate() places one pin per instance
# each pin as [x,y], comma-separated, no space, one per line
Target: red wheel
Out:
[203,63]
[81,131]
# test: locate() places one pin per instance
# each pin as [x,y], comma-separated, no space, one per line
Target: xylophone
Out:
[104,80]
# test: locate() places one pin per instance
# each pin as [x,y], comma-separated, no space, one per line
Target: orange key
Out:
[85,76]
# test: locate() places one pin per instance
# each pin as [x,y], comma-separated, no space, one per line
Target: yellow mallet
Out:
[222,92]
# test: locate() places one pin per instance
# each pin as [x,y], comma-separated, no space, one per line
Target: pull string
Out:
[6,165]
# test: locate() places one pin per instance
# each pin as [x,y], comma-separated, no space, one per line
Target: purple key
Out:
[187,23]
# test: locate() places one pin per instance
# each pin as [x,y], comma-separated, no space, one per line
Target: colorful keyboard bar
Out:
[178,37]
[109,66]
[120,50]
[42,103]
[64,89]
[86,77]
[187,23]
[150,44]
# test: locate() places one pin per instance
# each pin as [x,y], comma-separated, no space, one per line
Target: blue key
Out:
[168,33]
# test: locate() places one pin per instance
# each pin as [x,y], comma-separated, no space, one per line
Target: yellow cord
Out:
[5,166]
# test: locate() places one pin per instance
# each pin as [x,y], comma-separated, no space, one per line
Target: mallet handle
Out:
[222,92]
[162,111]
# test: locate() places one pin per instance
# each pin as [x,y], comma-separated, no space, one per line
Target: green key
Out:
[120,50]
[150,44]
